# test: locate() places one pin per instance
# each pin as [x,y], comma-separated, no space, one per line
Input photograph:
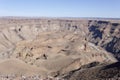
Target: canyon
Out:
[58,47]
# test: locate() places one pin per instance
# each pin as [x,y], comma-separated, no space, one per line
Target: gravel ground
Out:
[22,77]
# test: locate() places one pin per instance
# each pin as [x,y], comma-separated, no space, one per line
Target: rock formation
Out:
[105,34]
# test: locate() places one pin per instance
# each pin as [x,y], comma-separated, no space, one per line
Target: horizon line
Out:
[51,17]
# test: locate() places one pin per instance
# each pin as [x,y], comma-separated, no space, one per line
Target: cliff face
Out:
[105,34]
[59,46]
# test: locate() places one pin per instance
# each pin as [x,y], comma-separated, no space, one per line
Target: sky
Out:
[61,8]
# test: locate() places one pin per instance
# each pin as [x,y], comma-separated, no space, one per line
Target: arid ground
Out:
[59,49]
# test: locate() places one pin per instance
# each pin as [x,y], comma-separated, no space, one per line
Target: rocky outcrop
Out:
[98,72]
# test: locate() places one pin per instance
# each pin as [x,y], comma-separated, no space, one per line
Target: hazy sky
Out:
[61,8]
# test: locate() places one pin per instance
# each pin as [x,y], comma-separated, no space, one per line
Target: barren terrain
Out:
[61,48]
